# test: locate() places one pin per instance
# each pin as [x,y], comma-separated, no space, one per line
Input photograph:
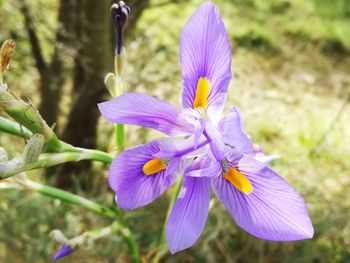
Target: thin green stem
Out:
[119,137]
[162,248]
[69,198]
[14,128]
[95,155]
[52,159]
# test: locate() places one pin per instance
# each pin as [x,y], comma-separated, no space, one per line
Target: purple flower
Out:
[65,250]
[260,156]
[211,153]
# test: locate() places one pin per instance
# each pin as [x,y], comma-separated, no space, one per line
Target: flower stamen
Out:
[238,180]
[202,94]
[155,166]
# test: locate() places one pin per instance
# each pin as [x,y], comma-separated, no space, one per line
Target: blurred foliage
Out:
[291,64]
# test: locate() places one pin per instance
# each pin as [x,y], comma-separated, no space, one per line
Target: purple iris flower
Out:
[210,153]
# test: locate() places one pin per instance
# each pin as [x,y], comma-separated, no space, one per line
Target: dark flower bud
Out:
[120,12]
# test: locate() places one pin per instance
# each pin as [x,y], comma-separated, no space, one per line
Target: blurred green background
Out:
[291,82]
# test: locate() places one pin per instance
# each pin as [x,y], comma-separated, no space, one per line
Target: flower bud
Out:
[3,155]
[6,52]
[26,115]
[120,12]
[33,148]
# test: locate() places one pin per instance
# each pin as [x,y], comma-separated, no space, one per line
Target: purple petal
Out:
[133,188]
[143,110]
[187,219]
[261,157]
[199,127]
[203,166]
[231,128]
[65,250]
[205,52]
[217,145]
[273,211]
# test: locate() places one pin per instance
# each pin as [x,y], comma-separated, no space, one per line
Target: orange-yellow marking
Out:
[238,180]
[153,166]
[202,94]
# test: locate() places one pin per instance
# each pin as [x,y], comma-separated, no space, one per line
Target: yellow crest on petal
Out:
[238,180]
[202,94]
[153,166]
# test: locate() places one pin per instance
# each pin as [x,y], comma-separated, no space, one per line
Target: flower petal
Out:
[273,211]
[65,250]
[231,128]
[217,145]
[187,219]
[143,110]
[134,188]
[261,157]
[203,166]
[205,52]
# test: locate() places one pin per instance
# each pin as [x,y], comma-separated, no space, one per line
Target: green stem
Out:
[95,155]
[52,159]
[68,197]
[14,128]
[119,137]
[162,242]
[134,249]
[98,233]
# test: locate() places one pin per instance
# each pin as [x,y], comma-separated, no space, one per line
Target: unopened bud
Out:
[10,165]
[6,52]
[3,155]
[120,12]
[33,148]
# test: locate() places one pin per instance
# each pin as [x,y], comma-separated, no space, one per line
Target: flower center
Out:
[155,166]
[202,93]
[238,180]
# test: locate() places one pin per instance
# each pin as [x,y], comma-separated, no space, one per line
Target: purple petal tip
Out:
[65,250]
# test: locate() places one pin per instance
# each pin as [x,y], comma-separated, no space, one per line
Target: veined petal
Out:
[203,166]
[143,110]
[127,178]
[272,211]
[205,55]
[231,128]
[189,215]
[217,145]
[199,127]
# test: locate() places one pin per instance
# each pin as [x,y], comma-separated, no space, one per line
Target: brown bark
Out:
[91,65]
[52,75]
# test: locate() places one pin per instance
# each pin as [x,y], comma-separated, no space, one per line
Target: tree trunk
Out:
[95,59]
[54,77]
[93,62]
